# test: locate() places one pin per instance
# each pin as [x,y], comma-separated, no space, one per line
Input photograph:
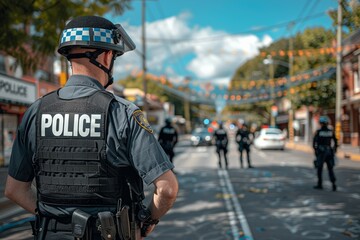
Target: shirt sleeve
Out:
[335,140]
[315,139]
[146,154]
[176,137]
[20,167]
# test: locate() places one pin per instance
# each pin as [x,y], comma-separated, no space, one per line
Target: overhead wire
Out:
[309,12]
[302,11]
[290,26]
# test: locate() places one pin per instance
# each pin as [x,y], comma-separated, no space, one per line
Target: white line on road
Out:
[261,153]
[230,211]
[223,174]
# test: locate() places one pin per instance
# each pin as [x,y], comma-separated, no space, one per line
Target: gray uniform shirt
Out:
[128,141]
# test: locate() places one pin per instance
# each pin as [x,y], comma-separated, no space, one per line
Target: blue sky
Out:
[208,39]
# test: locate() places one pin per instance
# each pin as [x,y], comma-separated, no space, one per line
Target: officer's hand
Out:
[146,230]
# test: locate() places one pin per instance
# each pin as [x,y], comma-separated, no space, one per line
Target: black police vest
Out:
[71,167]
[325,136]
[220,134]
[244,136]
[168,134]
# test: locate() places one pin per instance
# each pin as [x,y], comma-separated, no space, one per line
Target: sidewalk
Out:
[344,151]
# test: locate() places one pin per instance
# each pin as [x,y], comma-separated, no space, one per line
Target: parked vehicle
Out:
[201,136]
[270,138]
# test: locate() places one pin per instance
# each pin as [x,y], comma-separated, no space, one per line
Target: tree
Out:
[30,29]
[350,15]
[156,89]
[254,70]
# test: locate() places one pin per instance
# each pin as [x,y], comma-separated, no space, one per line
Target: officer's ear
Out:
[108,55]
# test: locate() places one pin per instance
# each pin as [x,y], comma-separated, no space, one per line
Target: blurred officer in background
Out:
[168,137]
[88,149]
[325,146]
[244,139]
[221,142]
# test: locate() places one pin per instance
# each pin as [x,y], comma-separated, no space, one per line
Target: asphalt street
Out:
[273,201]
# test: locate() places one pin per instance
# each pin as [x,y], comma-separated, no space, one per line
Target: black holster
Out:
[79,223]
[39,227]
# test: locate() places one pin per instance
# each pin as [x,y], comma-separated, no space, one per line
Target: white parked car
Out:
[270,138]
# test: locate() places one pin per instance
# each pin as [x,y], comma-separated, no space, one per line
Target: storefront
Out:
[15,97]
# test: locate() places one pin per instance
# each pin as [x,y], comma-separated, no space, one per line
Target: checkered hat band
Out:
[83,34]
[102,35]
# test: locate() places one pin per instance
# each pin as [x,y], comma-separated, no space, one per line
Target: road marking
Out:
[262,154]
[201,149]
[230,212]
[224,177]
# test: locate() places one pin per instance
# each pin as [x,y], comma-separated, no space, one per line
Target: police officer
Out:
[244,140]
[325,146]
[88,150]
[221,142]
[168,137]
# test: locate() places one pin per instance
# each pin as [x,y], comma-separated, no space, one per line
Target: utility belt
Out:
[106,225]
[324,148]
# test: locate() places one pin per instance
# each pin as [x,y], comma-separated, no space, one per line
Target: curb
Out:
[306,148]
[351,156]
[300,147]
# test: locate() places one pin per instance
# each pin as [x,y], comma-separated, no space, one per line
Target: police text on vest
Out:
[71,125]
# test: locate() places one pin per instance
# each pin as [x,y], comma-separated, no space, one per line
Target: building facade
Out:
[350,117]
[17,93]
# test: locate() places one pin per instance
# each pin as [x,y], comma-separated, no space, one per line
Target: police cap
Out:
[324,119]
[96,33]
[168,121]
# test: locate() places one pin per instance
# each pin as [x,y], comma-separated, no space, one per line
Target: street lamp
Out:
[187,106]
[270,61]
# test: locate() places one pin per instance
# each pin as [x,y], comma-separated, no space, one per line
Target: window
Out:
[2,64]
[42,75]
[357,78]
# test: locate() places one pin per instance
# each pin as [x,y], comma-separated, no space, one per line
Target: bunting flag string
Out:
[310,52]
[249,91]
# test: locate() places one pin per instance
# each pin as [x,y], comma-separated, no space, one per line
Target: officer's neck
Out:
[90,71]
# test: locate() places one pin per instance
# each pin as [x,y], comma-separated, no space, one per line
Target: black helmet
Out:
[168,121]
[97,33]
[93,32]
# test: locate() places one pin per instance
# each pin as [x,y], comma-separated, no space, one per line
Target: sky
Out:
[207,40]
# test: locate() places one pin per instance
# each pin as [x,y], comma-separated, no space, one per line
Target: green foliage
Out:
[255,69]
[321,96]
[350,16]
[30,29]
[156,89]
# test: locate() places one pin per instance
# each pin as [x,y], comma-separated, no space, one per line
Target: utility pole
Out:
[143,38]
[291,67]
[272,97]
[187,106]
[338,73]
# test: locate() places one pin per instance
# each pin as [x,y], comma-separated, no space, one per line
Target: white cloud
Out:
[216,54]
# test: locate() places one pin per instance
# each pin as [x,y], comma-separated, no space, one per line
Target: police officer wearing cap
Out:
[244,139]
[221,143]
[325,146]
[168,137]
[88,150]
